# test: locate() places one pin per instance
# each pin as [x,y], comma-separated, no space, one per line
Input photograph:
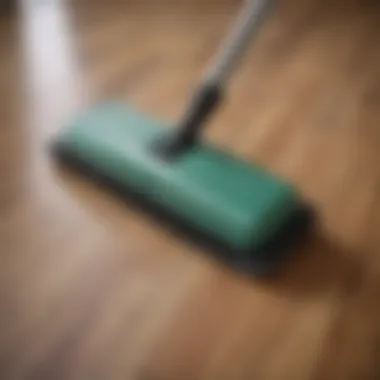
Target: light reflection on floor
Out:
[52,73]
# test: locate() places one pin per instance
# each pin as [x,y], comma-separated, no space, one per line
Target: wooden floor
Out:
[92,290]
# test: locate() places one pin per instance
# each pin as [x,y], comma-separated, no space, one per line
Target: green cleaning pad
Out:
[237,206]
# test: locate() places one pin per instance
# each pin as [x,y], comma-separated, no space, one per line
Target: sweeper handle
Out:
[248,22]
[209,94]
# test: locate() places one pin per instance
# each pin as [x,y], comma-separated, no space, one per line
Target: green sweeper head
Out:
[238,208]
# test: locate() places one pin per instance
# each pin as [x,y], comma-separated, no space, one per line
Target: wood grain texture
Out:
[93,289]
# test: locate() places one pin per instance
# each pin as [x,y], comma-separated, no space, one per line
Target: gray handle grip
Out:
[247,24]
